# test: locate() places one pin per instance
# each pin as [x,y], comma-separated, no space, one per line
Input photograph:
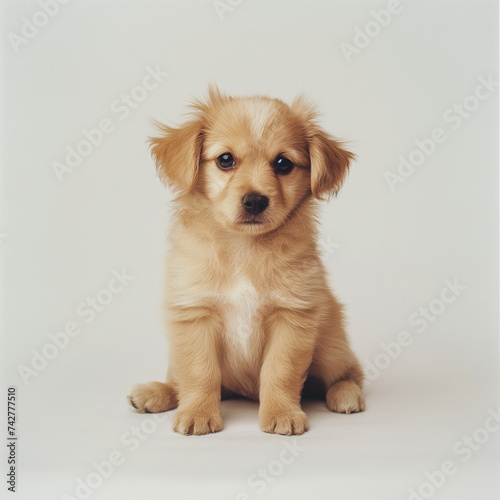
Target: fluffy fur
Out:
[249,310]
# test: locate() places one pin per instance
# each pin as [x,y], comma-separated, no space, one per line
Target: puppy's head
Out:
[250,161]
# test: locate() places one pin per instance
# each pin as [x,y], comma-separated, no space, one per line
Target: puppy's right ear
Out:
[177,152]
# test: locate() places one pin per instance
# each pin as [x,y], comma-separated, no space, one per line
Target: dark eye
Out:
[282,165]
[225,161]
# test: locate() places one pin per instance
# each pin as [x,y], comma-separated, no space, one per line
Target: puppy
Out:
[249,310]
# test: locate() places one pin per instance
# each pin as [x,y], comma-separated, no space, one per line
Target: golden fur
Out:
[249,310]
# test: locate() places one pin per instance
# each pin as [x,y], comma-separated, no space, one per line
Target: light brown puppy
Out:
[249,310]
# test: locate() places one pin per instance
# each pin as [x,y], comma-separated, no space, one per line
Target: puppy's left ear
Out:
[177,152]
[329,164]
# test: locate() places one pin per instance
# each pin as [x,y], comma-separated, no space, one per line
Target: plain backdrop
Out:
[389,252]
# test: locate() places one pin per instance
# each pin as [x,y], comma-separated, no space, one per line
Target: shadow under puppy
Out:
[249,310]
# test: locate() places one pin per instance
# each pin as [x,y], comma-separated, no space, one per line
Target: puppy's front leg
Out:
[287,358]
[197,373]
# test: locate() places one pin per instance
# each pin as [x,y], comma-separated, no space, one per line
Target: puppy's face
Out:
[251,162]
[255,167]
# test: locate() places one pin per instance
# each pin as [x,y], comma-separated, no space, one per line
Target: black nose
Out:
[255,203]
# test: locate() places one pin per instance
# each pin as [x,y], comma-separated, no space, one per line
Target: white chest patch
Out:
[241,316]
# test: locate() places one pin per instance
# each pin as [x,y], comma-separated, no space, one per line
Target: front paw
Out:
[289,422]
[197,422]
[153,397]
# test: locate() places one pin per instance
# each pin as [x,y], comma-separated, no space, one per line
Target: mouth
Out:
[248,222]
[247,219]
[251,222]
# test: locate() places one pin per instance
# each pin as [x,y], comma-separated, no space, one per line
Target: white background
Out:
[388,252]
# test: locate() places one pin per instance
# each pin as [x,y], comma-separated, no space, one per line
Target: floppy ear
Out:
[177,154]
[329,159]
[329,164]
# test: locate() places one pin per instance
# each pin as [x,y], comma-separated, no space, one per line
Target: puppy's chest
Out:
[243,307]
